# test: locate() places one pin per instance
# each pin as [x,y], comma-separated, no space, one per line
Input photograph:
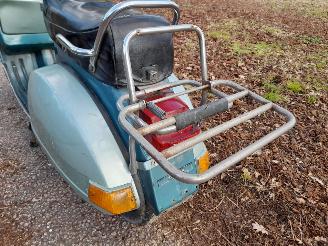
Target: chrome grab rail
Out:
[108,17]
[162,158]
[163,29]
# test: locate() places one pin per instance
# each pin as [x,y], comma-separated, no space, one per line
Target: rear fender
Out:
[74,133]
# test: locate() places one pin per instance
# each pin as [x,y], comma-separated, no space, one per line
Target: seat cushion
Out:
[76,16]
[78,21]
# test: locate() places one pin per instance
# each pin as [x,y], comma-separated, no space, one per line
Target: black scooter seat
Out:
[76,15]
[79,20]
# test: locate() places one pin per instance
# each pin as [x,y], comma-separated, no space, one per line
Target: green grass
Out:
[320,59]
[257,49]
[240,49]
[295,86]
[271,87]
[273,90]
[320,86]
[316,83]
[310,39]
[273,96]
[315,8]
[320,13]
[273,31]
[222,35]
[311,99]
[223,30]
[230,25]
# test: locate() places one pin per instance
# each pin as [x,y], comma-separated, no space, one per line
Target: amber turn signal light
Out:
[203,163]
[115,202]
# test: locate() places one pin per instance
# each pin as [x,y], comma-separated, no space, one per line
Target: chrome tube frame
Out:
[108,17]
[162,158]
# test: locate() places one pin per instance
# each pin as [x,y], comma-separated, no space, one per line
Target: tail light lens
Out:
[172,107]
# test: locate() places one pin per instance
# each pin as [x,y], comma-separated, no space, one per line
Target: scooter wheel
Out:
[140,216]
[33,141]
[143,214]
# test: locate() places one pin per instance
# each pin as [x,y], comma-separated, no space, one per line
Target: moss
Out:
[216,35]
[311,99]
[294,86]
[273,96]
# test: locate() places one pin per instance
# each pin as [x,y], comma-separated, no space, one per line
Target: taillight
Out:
[171,107]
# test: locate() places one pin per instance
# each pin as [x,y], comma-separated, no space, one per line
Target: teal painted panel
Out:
[73,132]
[161,190]
[25,42]
[21,17]
[108,96]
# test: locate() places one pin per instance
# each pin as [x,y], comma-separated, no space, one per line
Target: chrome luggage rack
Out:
[138,129]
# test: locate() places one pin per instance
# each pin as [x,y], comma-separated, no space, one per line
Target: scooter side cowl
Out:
[73,133]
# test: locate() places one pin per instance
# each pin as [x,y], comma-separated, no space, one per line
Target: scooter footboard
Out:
[195,116]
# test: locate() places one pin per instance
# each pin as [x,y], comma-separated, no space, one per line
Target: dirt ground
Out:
[279,196]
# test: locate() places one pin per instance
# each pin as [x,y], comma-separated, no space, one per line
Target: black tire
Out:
[33,141]
[144,213]
[140,216]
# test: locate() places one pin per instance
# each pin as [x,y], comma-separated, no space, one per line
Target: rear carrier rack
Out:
[138,129]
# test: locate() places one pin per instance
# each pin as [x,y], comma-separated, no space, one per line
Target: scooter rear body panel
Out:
[154,179]
[73,132]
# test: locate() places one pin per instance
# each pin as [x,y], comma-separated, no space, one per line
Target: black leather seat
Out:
[78,21]
[76,16]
